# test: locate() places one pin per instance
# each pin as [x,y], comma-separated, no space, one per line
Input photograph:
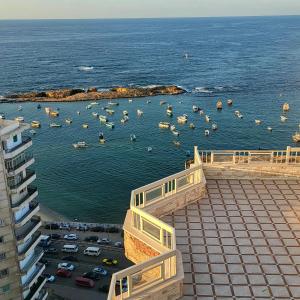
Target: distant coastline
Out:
[72,95]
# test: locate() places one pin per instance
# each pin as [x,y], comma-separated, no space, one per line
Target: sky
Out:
[90,9]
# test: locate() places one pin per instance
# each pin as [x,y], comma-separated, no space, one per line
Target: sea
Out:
[255,61]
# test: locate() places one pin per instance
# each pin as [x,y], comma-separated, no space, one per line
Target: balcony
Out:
[28,229]
[31,280]
[33,209]
[42,295]
[32,193]
[30,177]
[36,238]
[38,253]
[25,144]
[16,165]
[36,290]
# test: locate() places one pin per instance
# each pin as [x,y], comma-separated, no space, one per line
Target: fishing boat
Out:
[164,125]
[195,108]
[39,106]
[269,128]
[2,116]
[130,100]
[240,116]
[110,125]
[148,101]
[285,107]
[176,143]
[69,120]
[207,118]
[283,118]
[54,125]
[101,138]
[80,145]
[257,122]
[88,106]
[296,137]
[85,126]
[175,132]
[149,149]
[32,132]
[172,127]
[214,126]
[35,124]
[170,110]
[162,102]
[20,108]
[78,112]
[133,137]
[229,102]
[19,119]
[125,113]
[237,112]
[113,103]
[201,112]
[206,132]
[95,114]
[139,112]
[219,104]
[94,103]
[182,119]
[54,113]
[103,119]
[110,111]
[124,119]
[192,126]
[47,110]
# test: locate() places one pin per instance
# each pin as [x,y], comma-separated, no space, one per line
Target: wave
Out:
[85,68]
[203,90]
[215,90]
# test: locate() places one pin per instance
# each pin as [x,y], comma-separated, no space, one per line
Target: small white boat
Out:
[240,116]
[192,126]
[85,126]
[95,114]
[2,116]
[169,110]
[101,138]
[172,127]
[80,145]
[148,101]
[296,137]
[149,149]
[20,108]
[283,118]
[88,106]
[257,122]
[176,143]
[219,105]
[130,100]
[69,121]
[94,103]
[113,103]
[125,113]
[207,118]
[54,125]
[164,125]
[32,131]
[35,124]
[139,112]
[110,111]
[133,137]
[110,125]
[175,132]
[19,119]
[269,128]
[206,132]
[47,110]
[78,113]
[182,119]
[237,112]
[195,108]
[214,126]
[201,112]
[229,102]
[103,119]
[124,119]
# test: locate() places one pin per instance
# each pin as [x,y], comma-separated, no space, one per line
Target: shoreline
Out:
[49,215]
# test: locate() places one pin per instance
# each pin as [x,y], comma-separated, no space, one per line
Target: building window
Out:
[2,223]
[15,138]
[3,273]
[5,288]
[1,239]
[2,256]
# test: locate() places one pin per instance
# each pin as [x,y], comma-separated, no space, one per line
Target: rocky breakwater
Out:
[71,95]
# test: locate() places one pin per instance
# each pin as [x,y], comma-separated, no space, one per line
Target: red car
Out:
[63,273]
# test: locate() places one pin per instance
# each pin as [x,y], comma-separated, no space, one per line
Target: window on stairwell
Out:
[2,223]
[15,138]
[1,239]
[3,273]
[2,256]
[4,288]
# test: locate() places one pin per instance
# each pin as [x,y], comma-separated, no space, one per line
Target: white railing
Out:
[288,156]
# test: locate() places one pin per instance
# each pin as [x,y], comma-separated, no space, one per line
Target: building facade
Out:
[20,269]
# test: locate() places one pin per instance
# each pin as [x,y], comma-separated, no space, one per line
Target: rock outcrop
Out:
[70,95]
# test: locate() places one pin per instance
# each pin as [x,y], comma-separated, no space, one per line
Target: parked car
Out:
[100,270]
[63,273]
[52,226]
[51,250]
[82,227]
[71,236]
[70,258]
[65,226]
[112,230]
[97,229]
[92,238]
[110,261]
[44,261]
[92,275]
[104,241]
[86,282]
[66,266]
[118,244]
[50,278]
[55,236]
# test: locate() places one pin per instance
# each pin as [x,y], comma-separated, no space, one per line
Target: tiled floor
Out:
[242,241]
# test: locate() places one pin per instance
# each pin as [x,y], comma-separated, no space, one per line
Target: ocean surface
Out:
[255,61]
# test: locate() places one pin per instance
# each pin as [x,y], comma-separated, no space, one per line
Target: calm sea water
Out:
[251,60]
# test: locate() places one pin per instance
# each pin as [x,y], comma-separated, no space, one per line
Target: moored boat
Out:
[269,128]
[169,110]
[78,112]
[176,143]
[85,125]
[192,126]
[2,116]
[20,108]
[103,119]
[54,113]
[175,132]
[69,120]
[149,149]
[219,104]
[296,137]
[55,125]
[139,112]
[258,122]
[94,103]
[229,102]
[113,103]
[95,114]
[201,112]
[207,118]
[88,106]
[283,118]
[80,145]
[182,119]
[39,106]
[206,132]
[47,110]
[19,119]
[133,137]
[172,127]
[124,119]
[285,107]
[162,102]
[32,132]
[195,108]
[148,101]
[101,138]
[130,100]
[110,111]
[214,126]
[35,124]
[110,125]
[164,125]
[125,113]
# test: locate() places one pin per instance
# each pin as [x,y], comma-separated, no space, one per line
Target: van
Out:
[70,248]
[86,282]
[92,251]
[45,241]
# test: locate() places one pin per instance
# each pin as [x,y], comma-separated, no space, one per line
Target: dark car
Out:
[52,226]
[91,275]
[55,236]
[92,238]
[51,250]
[44,261]
[70,258]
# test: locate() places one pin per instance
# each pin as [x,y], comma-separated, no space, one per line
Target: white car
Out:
[66,266]
[118,244]
[104,241]
[49,277]
[71,236]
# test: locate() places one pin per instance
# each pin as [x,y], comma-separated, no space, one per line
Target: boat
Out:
[296,137]
[219,104]
[125,113]
[20,108]
[164,125]
[149,149]
[182,119]
[19,119]
[229,102]
[32,132]
[69,120]
[130,100]
[139,112]
[283,118]
[95,114]
[94,103]
[124,119]
[148,101]
[195,108]
[176,143]
[88,106]
[192,126]
[269,128]
[257,122]
[207,118]
[54,125]
[237,112]
[2,116]
[133,137]
[110,111]
[172,127]
[201,112]
[180,102]
[103,119]
[110,125]
[113,103]
[78,112]
[162,102]
[85,126]
[214,126]
[170,110]
[206,132]
[101,138]
[35,124]
[240,116]
[80,145]
[39,106]
[175,132]
[47,110]
[54,113]
[285,107]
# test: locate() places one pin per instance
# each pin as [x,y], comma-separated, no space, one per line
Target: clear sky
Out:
[80,9]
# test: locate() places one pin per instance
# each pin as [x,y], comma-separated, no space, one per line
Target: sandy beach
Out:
[49,215]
